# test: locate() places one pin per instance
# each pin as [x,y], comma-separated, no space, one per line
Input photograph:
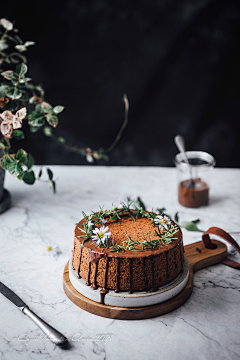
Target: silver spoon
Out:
[179,141]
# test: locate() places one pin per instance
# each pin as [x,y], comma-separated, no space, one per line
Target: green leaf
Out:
[21,69]
[105,157]
[190,226]
[54,186]
[20,177]
[34,129]
[18,134]
[14,93]
[40,173]
[2,146]
[30,162]
[39,109]
[6,24]
[196,221]
[176,217]
[52,120]
[29,177]
[141,204]
[47,108]
[22,157]
[29,43]
[15,168]
[5,162]
[161,210]
[50,174]
[37,122]
[47,131]
[58,109]
[61,140]
[3,90]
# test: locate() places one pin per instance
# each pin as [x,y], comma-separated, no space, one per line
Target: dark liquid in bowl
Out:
[196,162]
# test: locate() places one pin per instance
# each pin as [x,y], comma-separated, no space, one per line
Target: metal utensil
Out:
[55,336]
[179,141]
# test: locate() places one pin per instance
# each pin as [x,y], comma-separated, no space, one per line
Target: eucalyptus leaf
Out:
[18,134]
[190,226]
[3,90]
[176,217]
[30,162]
[6,24]
[29,177]
[58,109]
[22,157]
[14,93]
[15,168]
[52,120]
[29,43]
[3,45]
[50,174]
[34,129]
[61,140]
[47,131]
[5,162]
[21,69]
[54,186]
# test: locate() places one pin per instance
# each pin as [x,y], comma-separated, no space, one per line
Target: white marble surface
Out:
[205,327]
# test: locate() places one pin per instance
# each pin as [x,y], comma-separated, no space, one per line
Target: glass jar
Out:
[194,193]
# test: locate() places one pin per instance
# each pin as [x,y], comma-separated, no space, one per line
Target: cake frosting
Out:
[126,249]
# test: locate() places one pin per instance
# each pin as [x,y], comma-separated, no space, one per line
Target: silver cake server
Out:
[55,336]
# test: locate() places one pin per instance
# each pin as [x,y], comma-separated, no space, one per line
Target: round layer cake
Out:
[127,250]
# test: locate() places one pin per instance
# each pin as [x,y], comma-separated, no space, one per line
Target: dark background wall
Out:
[178,62]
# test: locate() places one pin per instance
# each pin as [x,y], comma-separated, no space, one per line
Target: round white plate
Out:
[136,299]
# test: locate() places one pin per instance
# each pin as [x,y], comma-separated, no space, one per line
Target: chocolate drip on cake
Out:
[181,255]
[94,285]
[154,260]
[79,263]
[167,260]
[145,273]
[117,274]
[130,275]
[175,257]
[73,253]
[89,270]
[104,290]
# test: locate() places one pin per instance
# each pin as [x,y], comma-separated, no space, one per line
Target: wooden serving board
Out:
[198,258]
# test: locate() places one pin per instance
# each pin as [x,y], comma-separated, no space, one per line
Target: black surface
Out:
[178,62]
[10,295]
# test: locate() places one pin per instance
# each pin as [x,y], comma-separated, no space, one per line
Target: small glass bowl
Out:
[196,193]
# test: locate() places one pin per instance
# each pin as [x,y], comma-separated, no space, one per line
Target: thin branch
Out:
[126,104]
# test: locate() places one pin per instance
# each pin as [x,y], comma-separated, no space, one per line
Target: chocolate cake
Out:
[127,250]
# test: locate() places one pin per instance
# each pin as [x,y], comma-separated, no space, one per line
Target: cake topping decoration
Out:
[93,227]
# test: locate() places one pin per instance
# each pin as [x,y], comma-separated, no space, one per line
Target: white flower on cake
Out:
[101,234]
[164,221]
[90,223]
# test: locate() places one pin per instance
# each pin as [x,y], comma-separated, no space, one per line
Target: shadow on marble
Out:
[217,199]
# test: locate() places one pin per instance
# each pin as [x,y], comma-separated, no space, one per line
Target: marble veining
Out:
[206,327]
